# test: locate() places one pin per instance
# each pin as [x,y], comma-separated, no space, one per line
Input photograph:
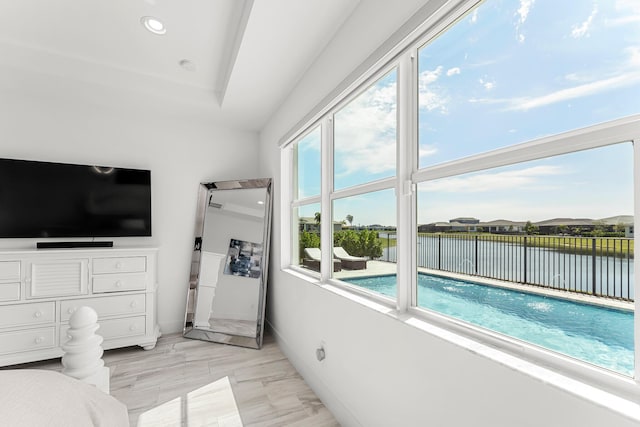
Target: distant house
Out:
[502,226]
[465,220]
[620,220]
[573,225]
[376,227]
[434,227]
[309,224]
[457,224]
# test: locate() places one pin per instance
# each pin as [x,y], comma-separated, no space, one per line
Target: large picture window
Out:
[365,135]
[485,175]
[512,71]
[364,251]
[305,211]
[548,275]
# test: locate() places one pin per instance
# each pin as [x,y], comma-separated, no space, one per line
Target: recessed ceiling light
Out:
[187,65]
[260,202]
[153,24]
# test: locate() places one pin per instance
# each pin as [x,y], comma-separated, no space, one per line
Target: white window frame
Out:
[289,158]
[404,56]
[601,135]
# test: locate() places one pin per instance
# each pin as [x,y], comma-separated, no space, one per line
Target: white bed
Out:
[79,396]
[31,397]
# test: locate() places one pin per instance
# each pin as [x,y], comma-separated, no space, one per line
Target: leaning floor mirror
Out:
[228,283]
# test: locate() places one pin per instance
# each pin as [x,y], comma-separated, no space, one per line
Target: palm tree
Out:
[350,219]
[317,218]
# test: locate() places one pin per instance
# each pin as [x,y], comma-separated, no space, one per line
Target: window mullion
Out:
[326,214]
[636,262]
[288,237]
[307,201]
[595,136]
[369,187]
[404,187]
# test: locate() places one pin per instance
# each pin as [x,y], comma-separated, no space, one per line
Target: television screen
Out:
[41,199]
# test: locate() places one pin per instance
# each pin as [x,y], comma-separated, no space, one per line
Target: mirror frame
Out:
[189,331]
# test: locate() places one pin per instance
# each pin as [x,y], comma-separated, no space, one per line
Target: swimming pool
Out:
[594,334]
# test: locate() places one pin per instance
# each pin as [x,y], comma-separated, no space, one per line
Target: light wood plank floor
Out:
[189,382]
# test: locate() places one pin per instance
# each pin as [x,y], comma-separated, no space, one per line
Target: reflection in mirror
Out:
[229,264]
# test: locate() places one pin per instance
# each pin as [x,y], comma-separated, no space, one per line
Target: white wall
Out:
[52,119]
[380,371]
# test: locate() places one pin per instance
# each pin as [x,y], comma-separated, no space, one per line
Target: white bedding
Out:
[30,397]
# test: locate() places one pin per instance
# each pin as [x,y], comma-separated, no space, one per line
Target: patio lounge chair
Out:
[312,258]
[348,261]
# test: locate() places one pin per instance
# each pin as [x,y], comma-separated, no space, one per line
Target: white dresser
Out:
[40,289]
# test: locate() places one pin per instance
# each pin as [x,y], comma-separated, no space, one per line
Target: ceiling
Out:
[248,201]
[246,56]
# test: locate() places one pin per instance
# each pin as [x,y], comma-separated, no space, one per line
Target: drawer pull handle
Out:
[37,314]
[39,340]
[119,284]
[132,328]
[133,304]
[71,310]
[118,265]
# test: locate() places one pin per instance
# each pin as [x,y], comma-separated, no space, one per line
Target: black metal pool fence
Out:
[600,266]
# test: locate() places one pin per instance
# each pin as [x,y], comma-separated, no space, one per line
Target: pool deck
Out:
[383,268]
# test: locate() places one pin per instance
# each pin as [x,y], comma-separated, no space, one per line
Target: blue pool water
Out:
[594,334]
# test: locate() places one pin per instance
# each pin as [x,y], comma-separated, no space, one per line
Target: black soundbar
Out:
[66,245]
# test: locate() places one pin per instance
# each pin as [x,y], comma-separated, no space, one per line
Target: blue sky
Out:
[509,72]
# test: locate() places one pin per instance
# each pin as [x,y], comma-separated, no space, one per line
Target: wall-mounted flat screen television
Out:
[42,199]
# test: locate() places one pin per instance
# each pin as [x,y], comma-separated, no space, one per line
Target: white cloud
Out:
[365,132]
[524,9]
[429,97]
[430,76]
[578,77]
[488,101]
[311,142]
[474,16]
[628,5]
[522,14]
[582,30]
[634,56]
[630,19]
[487,84]
[494,181]
[627,75]
[453,71]
[630,11]
[426,150]
[527,103]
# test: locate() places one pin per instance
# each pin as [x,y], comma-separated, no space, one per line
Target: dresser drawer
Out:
[27,314]
[136,264]
[105,306]
[113,328]
[119,282]
[57,278]
[9,291]
[10,271]
[32,339]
